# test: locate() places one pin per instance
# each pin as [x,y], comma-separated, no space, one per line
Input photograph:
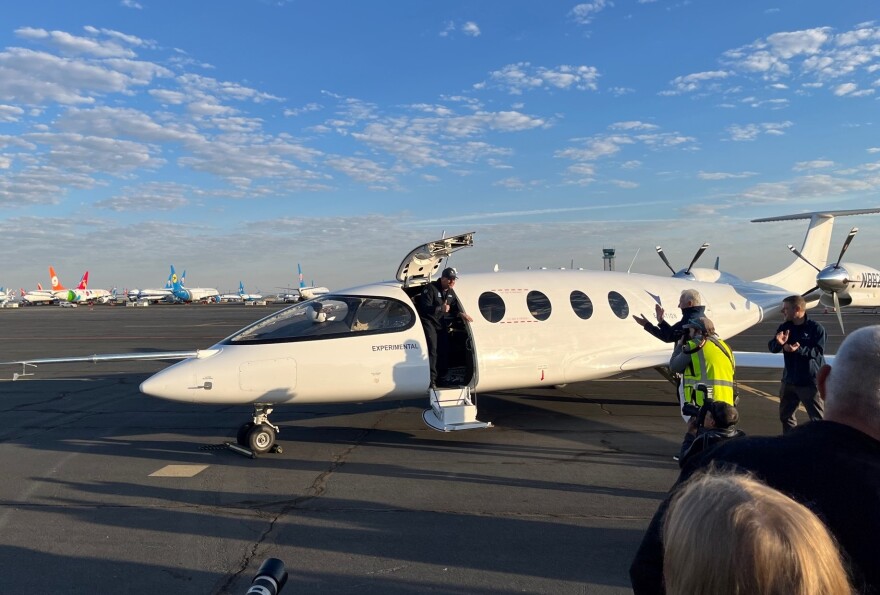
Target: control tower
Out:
[608,259]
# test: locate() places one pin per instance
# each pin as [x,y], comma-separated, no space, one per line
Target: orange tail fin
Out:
[56,284]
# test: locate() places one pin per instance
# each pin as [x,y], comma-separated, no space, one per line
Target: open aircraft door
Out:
[452,407]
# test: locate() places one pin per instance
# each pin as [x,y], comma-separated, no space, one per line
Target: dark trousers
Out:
[790,396]
[438,351]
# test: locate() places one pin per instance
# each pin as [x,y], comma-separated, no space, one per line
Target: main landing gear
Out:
[259,435]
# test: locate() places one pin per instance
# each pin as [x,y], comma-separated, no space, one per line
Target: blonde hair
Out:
[731,534]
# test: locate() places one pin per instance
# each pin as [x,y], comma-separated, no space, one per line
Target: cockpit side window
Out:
[329,317]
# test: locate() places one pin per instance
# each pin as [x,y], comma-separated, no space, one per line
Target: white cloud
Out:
[522,76]
[584,13]
[706,175]
[471,29]
[633,125]
[750,132]
[696,81]
[74,46]
[468,28]
[155,196]
[815,164]
[131,4]
[814,55]
[845,89]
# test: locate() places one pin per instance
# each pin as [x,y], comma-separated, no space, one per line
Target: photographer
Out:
[717,425]
[702,358]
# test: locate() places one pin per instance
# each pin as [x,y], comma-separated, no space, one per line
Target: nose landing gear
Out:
[259,435]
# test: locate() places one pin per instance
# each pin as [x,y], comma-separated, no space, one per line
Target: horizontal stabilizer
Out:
[820,213]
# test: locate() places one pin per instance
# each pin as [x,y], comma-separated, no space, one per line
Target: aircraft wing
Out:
[107,357]
[751,359]
[744,359]
[653,359]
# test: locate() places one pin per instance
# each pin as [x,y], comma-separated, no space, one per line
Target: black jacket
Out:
[670,333]
[704,439]
[801,366]
[430,305]
[831,468]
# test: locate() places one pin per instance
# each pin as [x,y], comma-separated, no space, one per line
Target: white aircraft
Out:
[81,294]
[530,328]
[241,296]
[842,283]
[50,296]
[39,296]
[179,293]
[6,295]
[308,292]
[153,295]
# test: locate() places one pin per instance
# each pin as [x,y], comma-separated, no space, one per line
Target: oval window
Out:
[539,305]
[581,304]
[492,306]
[618,304]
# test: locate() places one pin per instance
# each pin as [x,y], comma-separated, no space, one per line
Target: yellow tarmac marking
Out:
[179,471]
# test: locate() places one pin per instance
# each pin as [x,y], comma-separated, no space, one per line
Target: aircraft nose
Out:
[173,383]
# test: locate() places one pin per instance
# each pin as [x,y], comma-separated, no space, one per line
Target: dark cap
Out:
[702,324]
[449,273]
[724,414]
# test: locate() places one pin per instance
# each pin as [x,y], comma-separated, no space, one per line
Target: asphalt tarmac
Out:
[106,490]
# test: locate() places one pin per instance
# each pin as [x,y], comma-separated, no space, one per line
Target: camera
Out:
[270,578]
[694,410]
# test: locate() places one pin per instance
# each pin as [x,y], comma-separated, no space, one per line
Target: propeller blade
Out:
[697,256]
[846,243]
[802,257]
[837,311]
[664,259]
[806,293]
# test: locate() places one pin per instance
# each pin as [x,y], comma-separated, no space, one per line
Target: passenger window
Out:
[492,306]
[539,305]
[581,304]
[618,304]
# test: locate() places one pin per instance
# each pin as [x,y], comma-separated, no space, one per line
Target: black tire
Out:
[243,432]
[261,439]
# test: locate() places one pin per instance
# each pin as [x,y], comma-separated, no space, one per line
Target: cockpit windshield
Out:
[329,316]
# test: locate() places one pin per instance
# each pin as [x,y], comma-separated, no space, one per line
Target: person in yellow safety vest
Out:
[704,359]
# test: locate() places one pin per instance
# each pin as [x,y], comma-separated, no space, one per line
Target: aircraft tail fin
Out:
[84,282]
[176,284]
[56,284]
[799,277]
[300,271]
[240,288]
[39,287]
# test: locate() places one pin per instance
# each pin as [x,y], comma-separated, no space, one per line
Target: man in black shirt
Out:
[802,343]
[438,307]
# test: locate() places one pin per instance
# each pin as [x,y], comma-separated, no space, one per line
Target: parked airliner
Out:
[187,295]
[81,294]
[529,328]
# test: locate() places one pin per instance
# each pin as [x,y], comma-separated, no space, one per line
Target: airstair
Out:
[452,409]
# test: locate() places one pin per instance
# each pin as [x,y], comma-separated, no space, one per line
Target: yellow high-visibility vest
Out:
[713,365]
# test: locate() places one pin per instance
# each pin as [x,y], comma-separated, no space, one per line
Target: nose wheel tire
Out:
[261,438]
[243,433]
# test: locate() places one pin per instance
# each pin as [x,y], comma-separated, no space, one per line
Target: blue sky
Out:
[235,139]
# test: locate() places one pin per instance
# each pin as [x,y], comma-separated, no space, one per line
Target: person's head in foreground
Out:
[731,534]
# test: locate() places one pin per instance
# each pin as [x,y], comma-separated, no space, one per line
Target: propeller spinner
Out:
[833,279]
